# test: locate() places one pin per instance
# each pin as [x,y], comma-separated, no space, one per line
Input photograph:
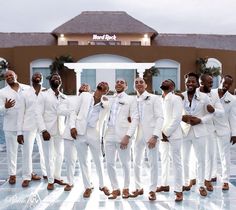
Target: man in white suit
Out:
[172,137]
[51,126]
[122,123]
[148,136]
[27,130]
[86,121]
[206,82]
[196,114]
[226,127]
[9,105]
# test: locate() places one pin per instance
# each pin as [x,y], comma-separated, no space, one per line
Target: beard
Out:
[54,84]
[164,87]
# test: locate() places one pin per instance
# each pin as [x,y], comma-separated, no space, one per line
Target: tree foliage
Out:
[203,69]
[58,64]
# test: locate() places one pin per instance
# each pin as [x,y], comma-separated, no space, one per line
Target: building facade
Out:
[115,38]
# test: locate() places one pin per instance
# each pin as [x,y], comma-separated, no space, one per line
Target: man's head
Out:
[103,87]
[206,82]
[226,83]
[37,78]
[10,77]
[167,85]
[121,85]
[55,81]
[191,82]
[84,88]
[140,85]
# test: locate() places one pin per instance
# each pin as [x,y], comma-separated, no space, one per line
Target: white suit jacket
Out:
[127,107]
[219,110]
[47,116]
[78,117]
[11,114]
[227,123]
[151,121]
[200,111]
[26,115]
[172,109]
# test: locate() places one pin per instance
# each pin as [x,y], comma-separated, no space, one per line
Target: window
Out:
[89,76]
[105,43]
[73,43]
[45,72]
[135,43]
[165,73]
[128,75]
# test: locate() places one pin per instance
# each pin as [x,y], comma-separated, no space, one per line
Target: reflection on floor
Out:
[38,197]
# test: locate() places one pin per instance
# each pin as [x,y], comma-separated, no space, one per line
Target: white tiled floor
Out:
[38,197]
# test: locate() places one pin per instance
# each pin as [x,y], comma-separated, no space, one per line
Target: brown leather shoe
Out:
[225,186]
[25,183]
[12,179]
[186,188]
[60,182]
[87,193]
[105,190]
[50,186]
[136,193]
[214,179]
[163,189]
[152,196]
[35,177]
[178,196]
[203,191]
[193,182]
[125,193]
[68,187]
[208,185]
[114,194]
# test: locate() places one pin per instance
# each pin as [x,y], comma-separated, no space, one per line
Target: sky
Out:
[165,16]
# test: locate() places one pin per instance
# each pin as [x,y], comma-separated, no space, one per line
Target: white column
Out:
[78,72]
[141,72]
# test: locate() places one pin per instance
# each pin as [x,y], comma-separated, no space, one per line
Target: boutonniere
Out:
[102,105]
[227,101]
[121,103]
[147,98]
[196,98]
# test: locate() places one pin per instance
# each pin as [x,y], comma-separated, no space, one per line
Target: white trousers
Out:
[112,147]
[224,145]
[83,143]
[29,139]
[211,146]
[12,149]
[53,155]
[70,158]
[152,154]
[172,151]
[199,150]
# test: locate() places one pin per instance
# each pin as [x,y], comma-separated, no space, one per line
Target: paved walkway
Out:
[38,197]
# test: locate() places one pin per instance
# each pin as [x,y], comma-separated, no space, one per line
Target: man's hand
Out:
[164,138]
[195,120]
[233,140]
[210,108]
[73,133]
[20,139]
[152,142]
[9,103]
[186,118]
[124,142]
[46,136]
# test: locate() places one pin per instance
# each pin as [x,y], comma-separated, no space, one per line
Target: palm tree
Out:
[202,69]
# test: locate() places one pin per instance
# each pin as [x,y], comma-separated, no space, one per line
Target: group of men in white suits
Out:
[166,127]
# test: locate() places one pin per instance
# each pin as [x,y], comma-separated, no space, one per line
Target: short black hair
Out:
[173,83]
[204,76]
[192,74]
[228,76]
